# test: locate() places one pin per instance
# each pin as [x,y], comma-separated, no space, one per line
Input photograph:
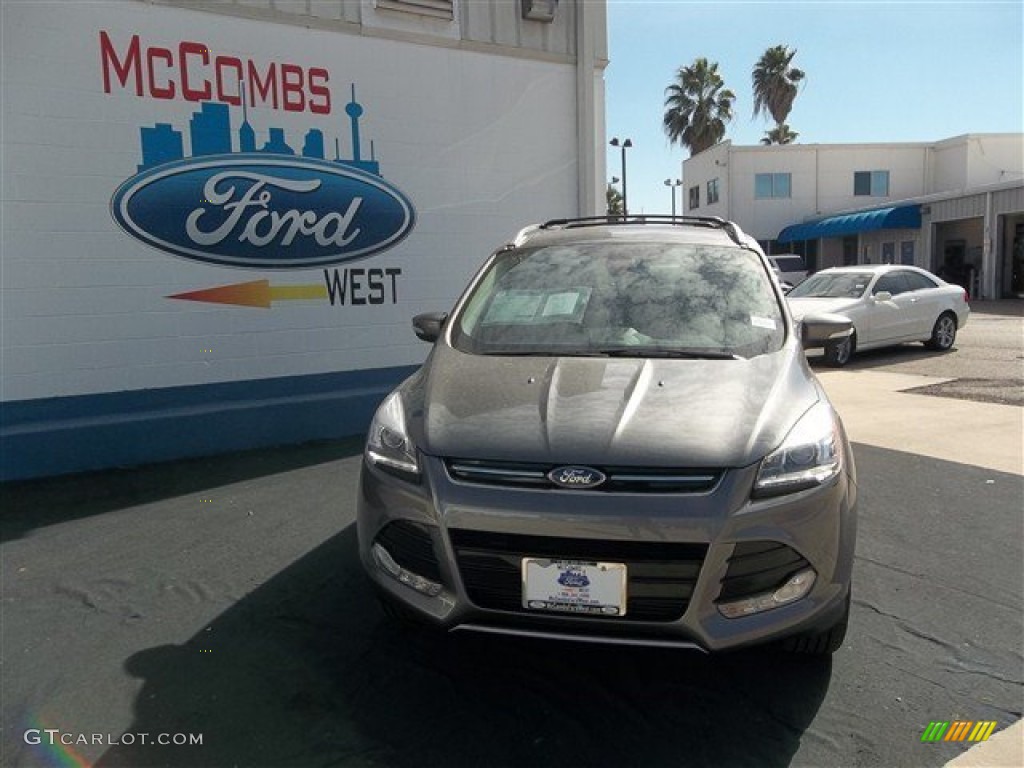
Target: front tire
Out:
[943,333]
[823,643]
[838,353]
[400,617]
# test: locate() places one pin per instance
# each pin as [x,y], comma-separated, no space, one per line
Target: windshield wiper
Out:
[640,352]
[668,352]
[540,353]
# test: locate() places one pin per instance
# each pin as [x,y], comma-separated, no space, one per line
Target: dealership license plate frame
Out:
[604,593]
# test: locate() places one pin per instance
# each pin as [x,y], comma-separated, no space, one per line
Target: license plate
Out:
[572,586]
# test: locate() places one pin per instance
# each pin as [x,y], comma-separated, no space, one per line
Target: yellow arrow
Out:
[258,293]
[297,292]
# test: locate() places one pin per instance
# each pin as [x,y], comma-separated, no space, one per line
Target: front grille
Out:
[757,567]
[411,546]
[620,479]
[660,577]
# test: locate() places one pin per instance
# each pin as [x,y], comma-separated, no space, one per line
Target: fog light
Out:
[798,586]
[403,575]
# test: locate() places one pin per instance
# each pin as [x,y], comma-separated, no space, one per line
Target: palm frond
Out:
[697,106]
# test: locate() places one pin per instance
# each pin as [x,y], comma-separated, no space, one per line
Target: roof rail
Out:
[658,218]
[523,233]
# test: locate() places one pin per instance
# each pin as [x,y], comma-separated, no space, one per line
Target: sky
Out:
[875,72]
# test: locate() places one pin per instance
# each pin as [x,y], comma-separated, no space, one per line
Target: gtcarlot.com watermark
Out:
[55,737]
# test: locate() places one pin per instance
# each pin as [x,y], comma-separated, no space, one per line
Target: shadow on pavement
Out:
[305,671]
[1001,307]
[34,504]
[876,358]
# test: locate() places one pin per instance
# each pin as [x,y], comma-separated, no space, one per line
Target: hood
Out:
[608,411]
[798,307]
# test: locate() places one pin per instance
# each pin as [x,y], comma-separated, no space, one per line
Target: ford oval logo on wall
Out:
[576,477]
[263,212]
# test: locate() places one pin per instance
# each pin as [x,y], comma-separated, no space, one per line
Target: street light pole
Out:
[626,143]
[672,190]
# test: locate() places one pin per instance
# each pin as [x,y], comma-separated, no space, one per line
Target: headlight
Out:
[388,445]
[810,455]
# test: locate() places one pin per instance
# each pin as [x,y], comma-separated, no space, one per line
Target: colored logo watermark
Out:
[958,730]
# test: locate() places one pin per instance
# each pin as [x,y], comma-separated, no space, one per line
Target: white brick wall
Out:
[84,307]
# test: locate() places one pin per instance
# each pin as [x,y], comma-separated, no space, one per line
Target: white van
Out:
[790,268]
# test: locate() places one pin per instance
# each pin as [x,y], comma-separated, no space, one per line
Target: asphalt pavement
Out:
[223,599]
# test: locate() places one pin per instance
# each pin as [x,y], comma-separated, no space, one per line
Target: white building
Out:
[219,217]
[955,206]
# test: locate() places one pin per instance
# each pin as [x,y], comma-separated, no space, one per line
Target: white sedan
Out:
[888,304]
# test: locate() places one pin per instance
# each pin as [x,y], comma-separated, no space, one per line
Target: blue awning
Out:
[898,217]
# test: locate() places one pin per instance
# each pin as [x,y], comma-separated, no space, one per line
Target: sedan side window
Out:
[893,283]
[918,282]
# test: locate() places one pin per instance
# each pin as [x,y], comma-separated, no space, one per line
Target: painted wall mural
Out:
[195,199]
[235,203]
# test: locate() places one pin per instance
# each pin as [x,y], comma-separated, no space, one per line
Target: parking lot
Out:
[223,598]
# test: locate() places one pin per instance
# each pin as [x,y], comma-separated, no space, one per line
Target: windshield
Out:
[633,299]
[833,285]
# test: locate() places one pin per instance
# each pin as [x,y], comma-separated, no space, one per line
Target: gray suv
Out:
[616,438]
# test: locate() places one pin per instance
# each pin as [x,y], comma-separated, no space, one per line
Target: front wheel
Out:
[823,643]
[943,333]
[838,353]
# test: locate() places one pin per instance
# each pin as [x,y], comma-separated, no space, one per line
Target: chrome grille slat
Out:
[692,479]
[619,479]
[496,472]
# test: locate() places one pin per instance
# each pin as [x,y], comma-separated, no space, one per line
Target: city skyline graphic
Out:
[210,134]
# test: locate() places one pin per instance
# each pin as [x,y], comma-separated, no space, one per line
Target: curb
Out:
[1004,750]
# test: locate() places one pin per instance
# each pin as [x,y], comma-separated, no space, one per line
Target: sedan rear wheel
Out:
[943,333]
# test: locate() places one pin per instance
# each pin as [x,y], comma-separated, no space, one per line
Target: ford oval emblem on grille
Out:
[576,477]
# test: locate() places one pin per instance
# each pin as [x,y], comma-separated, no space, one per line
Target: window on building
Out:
[712,191]
[873,183]
[773,185]
[907,252]
[439,9]
[694,197]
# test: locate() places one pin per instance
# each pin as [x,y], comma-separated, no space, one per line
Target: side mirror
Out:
[428,326]
[883,296]
[816,330]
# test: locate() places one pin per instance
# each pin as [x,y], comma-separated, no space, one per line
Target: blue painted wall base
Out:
[54,436]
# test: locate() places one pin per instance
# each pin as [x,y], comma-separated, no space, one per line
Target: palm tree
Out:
[775,87]
[697,107]
[780,134]
[613,200]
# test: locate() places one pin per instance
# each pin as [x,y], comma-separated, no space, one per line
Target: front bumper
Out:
[685,553]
